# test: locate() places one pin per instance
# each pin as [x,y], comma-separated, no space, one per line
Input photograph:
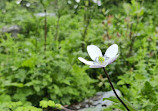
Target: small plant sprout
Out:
[100,61]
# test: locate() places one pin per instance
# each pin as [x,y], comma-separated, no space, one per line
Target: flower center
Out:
[101,59]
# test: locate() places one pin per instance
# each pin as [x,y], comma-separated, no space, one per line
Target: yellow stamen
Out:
[101,59]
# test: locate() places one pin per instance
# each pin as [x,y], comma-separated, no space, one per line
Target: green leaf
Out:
[44,104]
[51,103]
[119,105]
[155,108]
[129,105]
[113,99]
[139,77]
[148,91]
[59,106]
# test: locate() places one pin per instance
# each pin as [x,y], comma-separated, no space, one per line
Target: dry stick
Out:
[114,90]
[45,32]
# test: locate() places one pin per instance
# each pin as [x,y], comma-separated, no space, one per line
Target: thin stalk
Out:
[114,90]
[87,20]
[132,40]
[57,29]
[58,18]
[45,31]
[84,35]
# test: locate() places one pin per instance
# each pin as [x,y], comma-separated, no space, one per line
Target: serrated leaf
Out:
[155,108]
[113,99]
[44,104]
[51,103]
[118,103]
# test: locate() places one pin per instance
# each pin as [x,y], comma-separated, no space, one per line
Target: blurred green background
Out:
[38,53]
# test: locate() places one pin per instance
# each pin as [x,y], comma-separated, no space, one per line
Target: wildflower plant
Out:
[100,61]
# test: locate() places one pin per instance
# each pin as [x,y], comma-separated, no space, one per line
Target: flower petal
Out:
[112,59]
[111,51]
[85,61]
[94,51]
[96,66]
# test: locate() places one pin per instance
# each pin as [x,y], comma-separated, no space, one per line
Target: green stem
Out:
[45,31]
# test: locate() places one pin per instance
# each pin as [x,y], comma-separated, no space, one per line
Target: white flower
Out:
[28,5]
[98,2]
[77,1]
[95,1]
[69,2]
[18,1]
[99,60]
